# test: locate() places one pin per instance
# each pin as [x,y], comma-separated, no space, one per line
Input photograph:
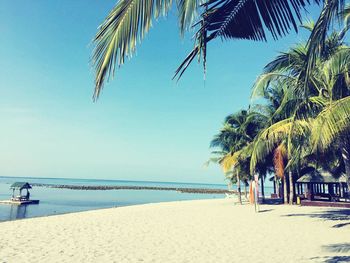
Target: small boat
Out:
[20,199]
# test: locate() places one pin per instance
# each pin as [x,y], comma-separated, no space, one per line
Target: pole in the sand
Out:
[256,193]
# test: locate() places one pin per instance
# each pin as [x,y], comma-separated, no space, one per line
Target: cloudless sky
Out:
[143,127]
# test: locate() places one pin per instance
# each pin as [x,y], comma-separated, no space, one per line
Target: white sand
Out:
[189,231]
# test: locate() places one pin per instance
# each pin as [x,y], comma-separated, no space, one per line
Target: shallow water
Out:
[58,201]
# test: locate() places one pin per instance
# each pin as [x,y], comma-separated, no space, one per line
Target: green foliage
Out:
[306,111]
[130,20]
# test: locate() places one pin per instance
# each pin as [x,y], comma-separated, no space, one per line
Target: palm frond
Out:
[116,39]
[264,80]
[267,141]
[345,14]
[308,25]
[247,19]
[243,19]
[293,60]
[317,39]
[187,10]
[330,123]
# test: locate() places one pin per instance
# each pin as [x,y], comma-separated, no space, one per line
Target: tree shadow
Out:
[341,225]
[265,210]
[331,259]
[272,201]
[335,248]
[333,215]
[337,259]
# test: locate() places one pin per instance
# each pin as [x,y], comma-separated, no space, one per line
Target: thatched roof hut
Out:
[20,185]
[321,177]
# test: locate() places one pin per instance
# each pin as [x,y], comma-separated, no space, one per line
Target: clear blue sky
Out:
[144,126]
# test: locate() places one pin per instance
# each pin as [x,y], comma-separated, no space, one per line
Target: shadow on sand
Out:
[333,215]
[272,201]
[335,248]
[265,210]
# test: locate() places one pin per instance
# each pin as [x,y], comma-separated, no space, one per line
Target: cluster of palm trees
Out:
[302,121]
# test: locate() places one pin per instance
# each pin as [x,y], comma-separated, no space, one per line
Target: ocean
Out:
[60,201]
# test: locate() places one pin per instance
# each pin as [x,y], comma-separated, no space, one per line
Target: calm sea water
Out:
[59,201]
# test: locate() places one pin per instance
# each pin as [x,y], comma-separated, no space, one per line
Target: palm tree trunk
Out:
[239,188]
[277,187]
[262,188]
[291,188]
[346,158]
[285,193]
[245,190]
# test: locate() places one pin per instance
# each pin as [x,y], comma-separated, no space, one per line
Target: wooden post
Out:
[330,191]
[341,193]
[239,187]
[285,190]
[291,188]
[309,191]
[262,187]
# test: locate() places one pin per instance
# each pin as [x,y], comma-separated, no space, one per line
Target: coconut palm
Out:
[235,140]
[327,83]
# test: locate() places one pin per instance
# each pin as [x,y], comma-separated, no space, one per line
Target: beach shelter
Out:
[322,184]
[20,186]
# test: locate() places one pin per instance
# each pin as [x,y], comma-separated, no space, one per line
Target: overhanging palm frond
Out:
[244,19]
[330,123]
[247,19]
[187,13]
[128,23]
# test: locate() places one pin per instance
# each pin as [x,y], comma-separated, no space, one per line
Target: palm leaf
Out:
[128,23]
[317,40]
[330,123]
[187,13]
[244,19]
[268,140]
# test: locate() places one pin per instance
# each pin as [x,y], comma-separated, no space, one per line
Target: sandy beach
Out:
[187,231]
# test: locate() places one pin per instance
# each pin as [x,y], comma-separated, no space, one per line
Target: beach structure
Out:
[321,188]
[20,199]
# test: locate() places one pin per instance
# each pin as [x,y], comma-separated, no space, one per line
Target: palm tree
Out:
[130,20]
[290,129]
[234,142]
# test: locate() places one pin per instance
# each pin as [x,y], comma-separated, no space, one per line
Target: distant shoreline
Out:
[118,187]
